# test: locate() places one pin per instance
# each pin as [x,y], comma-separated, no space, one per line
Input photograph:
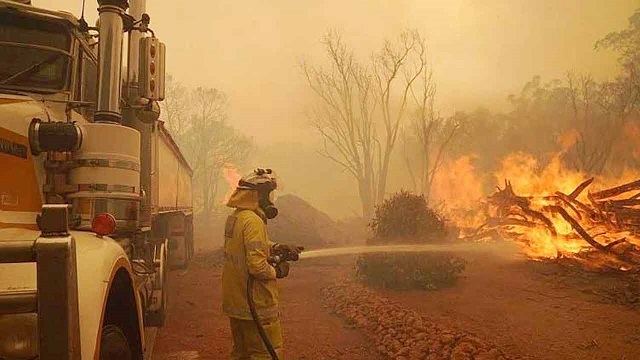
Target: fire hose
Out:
[274,261]
[256,320]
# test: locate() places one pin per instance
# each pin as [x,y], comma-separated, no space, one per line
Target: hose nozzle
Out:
[281,253]
[274,260]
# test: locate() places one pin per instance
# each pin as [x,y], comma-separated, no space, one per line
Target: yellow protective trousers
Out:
[247,344]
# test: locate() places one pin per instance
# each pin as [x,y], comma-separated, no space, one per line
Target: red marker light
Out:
[103,224]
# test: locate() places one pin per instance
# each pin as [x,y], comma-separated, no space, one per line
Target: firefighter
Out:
[247,250]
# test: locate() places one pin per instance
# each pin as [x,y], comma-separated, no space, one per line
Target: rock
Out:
[446,339]
[435,347]
[457,355]
[396,345]
[492,354]
[466,348]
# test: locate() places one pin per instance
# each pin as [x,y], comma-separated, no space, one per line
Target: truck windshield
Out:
[34,53]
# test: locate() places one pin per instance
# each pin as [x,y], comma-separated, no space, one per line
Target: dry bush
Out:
[402,271]
[406,218]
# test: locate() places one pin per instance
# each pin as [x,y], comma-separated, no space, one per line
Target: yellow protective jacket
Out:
[246,248]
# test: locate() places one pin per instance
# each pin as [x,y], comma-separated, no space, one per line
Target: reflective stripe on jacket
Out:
[246,248]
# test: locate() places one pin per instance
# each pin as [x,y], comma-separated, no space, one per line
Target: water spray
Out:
[469,247]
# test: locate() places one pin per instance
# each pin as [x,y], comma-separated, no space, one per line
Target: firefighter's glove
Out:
[282,270]
[287,252]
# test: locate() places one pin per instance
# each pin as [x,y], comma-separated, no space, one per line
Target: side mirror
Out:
[151,69]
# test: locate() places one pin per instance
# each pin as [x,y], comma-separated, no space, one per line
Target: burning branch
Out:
[604,213]
[575,193]
[506,199]
[578,228]
[618,190]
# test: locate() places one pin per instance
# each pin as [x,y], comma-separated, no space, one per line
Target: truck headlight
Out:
[18,336]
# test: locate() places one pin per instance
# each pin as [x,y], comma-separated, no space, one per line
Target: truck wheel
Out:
[156,317]
[114,344]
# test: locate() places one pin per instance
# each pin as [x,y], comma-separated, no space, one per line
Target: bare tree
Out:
[430,135]
[175,107]
[211,143]
[198,121]
[360,107]
[344,116]
[396,67]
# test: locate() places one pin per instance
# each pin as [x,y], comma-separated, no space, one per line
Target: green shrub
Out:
[406,218]
[402,271]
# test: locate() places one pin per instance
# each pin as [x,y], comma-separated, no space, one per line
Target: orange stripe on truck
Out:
[20,198]
[5,101]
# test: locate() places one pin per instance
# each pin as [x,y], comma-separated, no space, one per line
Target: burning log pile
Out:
[598,230]
[400,333]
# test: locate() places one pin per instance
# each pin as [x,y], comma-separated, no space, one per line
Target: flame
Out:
[457,184]
[527,176]
[458,188]
[231,175]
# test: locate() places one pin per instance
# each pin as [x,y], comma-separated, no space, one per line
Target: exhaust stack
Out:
[110,59]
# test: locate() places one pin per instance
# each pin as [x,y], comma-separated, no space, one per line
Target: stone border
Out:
[400,333]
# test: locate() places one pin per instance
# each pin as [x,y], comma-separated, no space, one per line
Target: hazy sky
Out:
[481,50]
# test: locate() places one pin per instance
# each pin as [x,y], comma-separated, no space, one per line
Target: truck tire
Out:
[114,344]
[157,317]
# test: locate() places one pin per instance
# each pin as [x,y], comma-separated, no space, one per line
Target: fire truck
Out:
[95,196]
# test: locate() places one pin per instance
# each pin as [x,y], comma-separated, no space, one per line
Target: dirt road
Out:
[197,329]
[535,310]
[528,310]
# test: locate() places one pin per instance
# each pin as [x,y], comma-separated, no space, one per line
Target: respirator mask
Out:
[266,201]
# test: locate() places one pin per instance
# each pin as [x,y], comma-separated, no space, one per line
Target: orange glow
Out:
[231,175]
